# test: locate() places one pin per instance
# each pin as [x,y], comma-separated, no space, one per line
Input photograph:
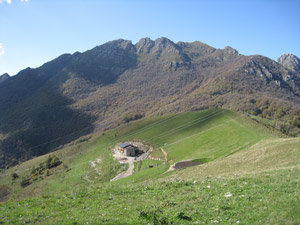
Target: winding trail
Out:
[122,158]
[94,163]
[128,172]
[165,154]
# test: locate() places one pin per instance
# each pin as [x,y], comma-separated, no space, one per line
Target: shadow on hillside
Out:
[104,64]
[35,116]
[36,119]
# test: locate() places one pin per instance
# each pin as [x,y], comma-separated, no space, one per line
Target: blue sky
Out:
[33,32]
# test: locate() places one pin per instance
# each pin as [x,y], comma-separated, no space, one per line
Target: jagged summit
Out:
[121,43]
[164,51]
[144,45]
[231,50]
[4,77]
[290,61]
[158,47]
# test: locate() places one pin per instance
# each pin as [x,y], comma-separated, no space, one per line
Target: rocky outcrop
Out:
[164,51]
[144,46]
[4,77]
[290,61]
[270,71]
[230,50]
[256,68]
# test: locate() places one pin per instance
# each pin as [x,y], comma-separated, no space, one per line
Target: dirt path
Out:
[94,163]
[165,154]
[172,167]
[122,158]
[128,172]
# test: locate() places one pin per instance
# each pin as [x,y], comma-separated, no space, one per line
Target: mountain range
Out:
[114,83]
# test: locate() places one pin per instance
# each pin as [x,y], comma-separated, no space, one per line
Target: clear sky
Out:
[33,32]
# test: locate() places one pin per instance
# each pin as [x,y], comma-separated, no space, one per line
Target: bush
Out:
[25,182]
[14,176]
[48,172]
[182,216]
[42,171]
[154,215]
[127,119]
[52,161]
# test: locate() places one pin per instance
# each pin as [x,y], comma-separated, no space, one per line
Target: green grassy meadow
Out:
[251,176]
[270,198]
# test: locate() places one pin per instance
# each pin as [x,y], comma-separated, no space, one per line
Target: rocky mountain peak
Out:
[231,50]
[166,45]
[158,46]
[167,48]
[4,77]
[118,44]
[126,45]
[163,42]
[169,53]
[118,53]
[144,45]
[290,61]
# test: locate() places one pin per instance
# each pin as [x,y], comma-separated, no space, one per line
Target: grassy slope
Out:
[76,169]
[271,198]
[235,145]
[266,155]
[210,133]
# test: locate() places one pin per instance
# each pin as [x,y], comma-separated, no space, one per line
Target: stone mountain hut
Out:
[128,149]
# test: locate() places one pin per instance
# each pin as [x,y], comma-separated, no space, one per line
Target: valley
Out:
[244,164]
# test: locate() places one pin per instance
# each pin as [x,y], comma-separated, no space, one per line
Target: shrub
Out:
[127,119]
[14,176]
[154,215]
[52,161]
[182,216]
[25,182]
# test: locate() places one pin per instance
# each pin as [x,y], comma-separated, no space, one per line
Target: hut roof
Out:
[124,144]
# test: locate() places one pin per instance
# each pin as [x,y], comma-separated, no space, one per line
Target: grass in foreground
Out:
[266,198]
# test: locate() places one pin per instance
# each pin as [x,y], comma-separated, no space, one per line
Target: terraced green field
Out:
[255,167]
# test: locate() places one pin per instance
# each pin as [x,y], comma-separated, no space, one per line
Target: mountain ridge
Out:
[4,77]
[290,61]
[79,93]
